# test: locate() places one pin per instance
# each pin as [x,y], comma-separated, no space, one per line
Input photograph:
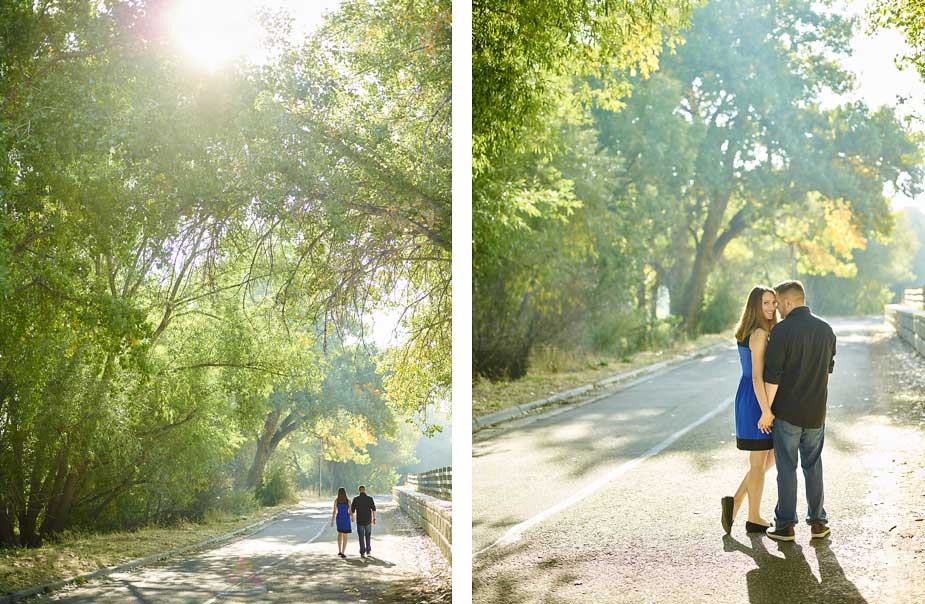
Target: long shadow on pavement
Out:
[790,579]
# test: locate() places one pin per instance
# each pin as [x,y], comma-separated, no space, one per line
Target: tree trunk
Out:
[28,520]
[7,524]
[274,432]
[262,455]
[64,504]
[57,490]
[703,261]
[39,485]
[320,460]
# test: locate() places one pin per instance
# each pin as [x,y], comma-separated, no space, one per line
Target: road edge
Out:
[40,590]
[523,409]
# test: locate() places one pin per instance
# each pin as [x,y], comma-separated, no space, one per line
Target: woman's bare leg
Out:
[739,498]
[758,465]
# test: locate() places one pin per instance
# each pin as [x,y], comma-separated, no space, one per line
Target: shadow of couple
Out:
[367,561]
[790,579]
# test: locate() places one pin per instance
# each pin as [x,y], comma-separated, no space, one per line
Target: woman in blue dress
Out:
[753,417]
[341,514]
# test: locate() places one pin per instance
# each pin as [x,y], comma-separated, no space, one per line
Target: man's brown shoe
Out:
[819,530]
[786,534]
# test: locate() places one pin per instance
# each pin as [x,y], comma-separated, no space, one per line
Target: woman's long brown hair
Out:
[752,315]
[342,496]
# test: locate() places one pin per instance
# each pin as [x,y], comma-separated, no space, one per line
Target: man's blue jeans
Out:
[788,441]
[364,531]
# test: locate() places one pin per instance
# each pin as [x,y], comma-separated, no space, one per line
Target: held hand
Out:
[374,521]
[765,423]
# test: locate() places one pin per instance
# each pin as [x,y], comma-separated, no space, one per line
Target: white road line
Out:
[514,533]
[262,568]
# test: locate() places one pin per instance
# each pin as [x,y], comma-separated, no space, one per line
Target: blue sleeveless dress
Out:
[747,409]
[343,518]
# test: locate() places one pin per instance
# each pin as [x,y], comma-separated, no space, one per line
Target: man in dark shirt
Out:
[365,509]
[798,361]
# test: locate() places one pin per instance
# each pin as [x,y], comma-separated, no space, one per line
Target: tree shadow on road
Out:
[790,579]
[520,586]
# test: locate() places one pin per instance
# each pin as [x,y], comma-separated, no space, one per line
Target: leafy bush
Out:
[619,332]
[276,487]
[721,308]
[665,333]
[503,359]
[237,503]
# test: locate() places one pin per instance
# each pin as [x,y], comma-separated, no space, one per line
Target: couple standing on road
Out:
[362,510]
[785,375]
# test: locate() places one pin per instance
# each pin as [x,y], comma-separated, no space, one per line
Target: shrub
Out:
[720,310]
[619,332]
[276,487]
[665,332]
[501,359]
[237,503]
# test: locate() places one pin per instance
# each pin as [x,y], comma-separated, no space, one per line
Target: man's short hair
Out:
[362,488]
[786,287]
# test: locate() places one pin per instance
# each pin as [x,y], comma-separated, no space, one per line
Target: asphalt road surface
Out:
[618,500]
[293,560]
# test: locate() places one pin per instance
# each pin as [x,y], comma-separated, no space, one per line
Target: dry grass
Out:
[553,371]
[79,553]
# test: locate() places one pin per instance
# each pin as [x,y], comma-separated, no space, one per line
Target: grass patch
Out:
[76,553]
[552,370]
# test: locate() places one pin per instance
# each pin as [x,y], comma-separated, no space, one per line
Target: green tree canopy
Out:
[538,67]
[178,247]
[732,141]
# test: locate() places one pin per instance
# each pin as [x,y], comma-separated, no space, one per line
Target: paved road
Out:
[618,500]
[292,560]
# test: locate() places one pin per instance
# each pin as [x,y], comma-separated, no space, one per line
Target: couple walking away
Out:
[362,510]
[780,407]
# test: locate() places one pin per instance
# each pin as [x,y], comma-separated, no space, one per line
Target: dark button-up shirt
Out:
[799,358]
[363,506]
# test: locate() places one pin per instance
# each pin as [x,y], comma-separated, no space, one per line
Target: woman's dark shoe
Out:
[754,527]
[727,503]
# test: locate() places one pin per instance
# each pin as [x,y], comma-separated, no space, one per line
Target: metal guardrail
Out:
[436,483]
[914,297]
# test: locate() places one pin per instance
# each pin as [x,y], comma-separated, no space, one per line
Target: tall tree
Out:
[753,138]
[538,67]
[165,233]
